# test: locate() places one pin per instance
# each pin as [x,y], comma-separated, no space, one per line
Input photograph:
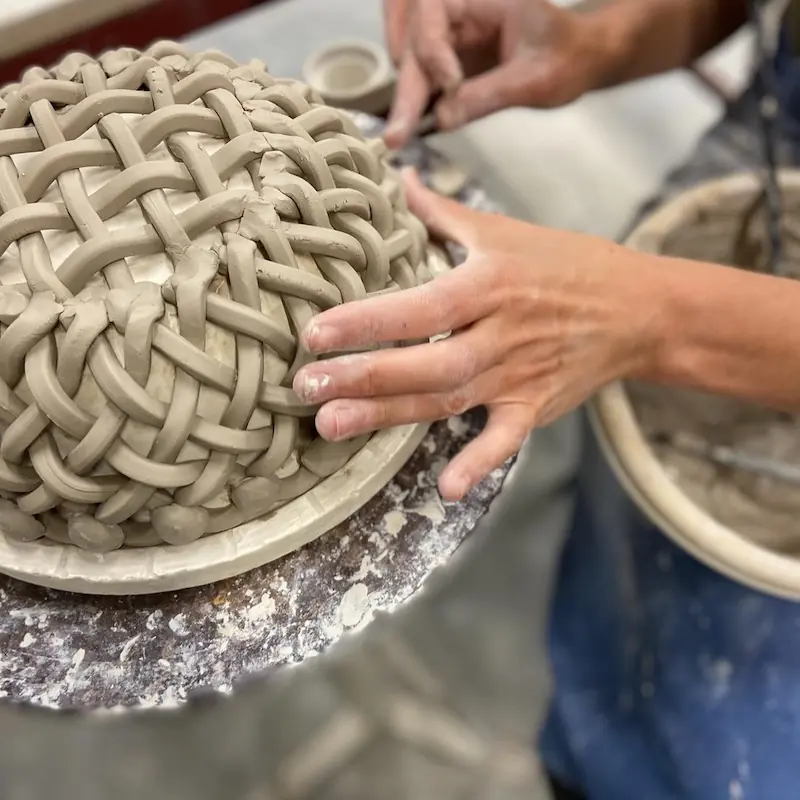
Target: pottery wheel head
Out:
[170,224]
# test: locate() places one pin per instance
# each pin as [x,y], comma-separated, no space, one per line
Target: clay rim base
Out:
[635,463]
[168,568]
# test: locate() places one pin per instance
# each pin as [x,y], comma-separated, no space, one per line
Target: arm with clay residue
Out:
[476,57]
[647,37]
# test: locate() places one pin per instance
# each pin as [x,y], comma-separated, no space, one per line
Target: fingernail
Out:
[317,338]
[310,386]
[396,130]
[345,419]
[459,486]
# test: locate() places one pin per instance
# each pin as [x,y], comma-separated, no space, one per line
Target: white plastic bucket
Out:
[698,224]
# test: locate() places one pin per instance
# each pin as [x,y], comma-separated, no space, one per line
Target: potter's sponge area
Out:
[170,223]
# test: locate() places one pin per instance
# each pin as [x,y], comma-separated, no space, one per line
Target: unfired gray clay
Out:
[170,224]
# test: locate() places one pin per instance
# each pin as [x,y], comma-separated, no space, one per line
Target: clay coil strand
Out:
[170,223]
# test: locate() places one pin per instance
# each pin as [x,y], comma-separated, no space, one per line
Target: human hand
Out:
[485,55]
[540,318]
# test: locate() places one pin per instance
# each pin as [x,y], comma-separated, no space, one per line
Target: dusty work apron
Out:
[672,682]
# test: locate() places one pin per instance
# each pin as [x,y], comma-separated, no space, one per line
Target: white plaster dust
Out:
[262,610]
[128,647]
[394,522]
[354,605]
[178,625]
[155,655]
[432,508]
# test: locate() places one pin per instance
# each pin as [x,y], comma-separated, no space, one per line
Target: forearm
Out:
[648,37]
[725,330]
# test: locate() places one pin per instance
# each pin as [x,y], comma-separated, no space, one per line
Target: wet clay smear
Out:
[761,507]
[171,223]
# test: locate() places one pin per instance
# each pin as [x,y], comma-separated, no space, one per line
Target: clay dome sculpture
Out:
[170,223]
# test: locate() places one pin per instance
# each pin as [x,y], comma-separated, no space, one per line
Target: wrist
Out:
[703,323]
[650,310]
[640,38]
[611,33]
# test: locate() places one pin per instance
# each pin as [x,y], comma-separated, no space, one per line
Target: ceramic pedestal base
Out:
[169,568]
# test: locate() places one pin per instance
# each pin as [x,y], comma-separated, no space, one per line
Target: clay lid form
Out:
[736,521]
[170,223]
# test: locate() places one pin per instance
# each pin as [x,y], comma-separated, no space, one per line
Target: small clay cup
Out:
[356,75]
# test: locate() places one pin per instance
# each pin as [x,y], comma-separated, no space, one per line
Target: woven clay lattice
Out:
[171,222]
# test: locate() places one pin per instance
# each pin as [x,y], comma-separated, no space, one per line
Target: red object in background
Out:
[166,19]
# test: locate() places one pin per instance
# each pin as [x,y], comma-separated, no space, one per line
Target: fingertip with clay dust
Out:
[314,337]
[396,134]
[310,385]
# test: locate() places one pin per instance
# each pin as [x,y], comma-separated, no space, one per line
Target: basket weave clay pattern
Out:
[170,223]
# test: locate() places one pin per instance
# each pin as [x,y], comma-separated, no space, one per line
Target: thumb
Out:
[503,87]
[411,97]
[395,14]
[445,218]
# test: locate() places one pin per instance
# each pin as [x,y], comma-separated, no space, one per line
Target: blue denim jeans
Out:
[672,682]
